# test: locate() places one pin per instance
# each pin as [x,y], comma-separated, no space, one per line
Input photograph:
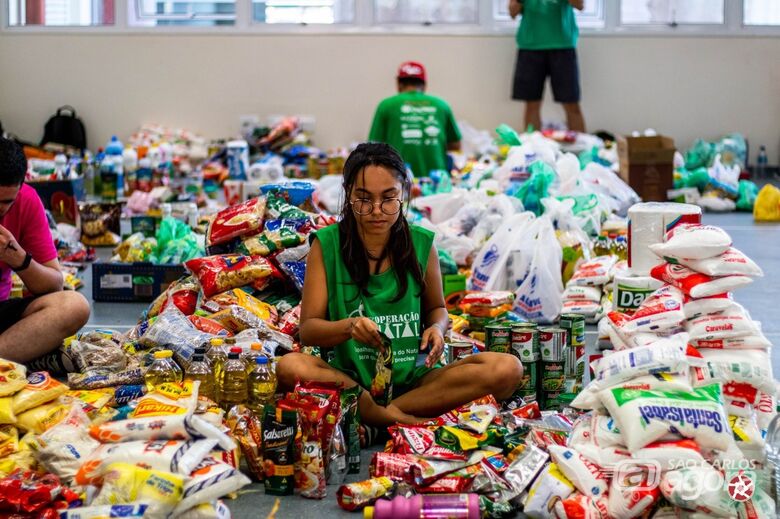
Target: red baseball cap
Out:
[411,70]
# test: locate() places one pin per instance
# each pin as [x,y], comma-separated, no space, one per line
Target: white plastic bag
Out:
[441,206]
[489,268]
[538,298]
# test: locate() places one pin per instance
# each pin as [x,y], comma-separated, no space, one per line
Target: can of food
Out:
[550,401]
[525,343]
[530,378]
[570,361]
[552,341]
[574,324]
[498,338]
[553,376]
[458,350]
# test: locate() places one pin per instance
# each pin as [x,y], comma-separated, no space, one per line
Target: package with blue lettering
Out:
[645,416]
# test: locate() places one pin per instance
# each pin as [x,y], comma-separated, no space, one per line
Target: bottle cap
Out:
[256,346]
[216,341]
[236,349]
[368,512]
[163,354]
[197,357]
[262,359]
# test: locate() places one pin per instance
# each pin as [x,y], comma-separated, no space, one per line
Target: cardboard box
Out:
[647,165]
[61,197]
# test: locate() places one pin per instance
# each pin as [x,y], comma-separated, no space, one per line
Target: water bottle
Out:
[761,162]
[114,151]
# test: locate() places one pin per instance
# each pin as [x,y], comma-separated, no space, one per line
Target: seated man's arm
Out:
[577,4]
[515,8]
[39,278]
[453,146]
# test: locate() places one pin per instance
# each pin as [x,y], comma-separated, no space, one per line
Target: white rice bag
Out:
[761,506]
[746,342]
[169,427]
[672,455]
[766,409]
[693,241]
[126,511]
[738,408]
[581,506]
[595,429]
[751,367]
[698,488]
[731,263]
[595,272]
[660,312]
[550,486]
[696,284]
[210,480]
[589,397]
[581,307]
[588,478]
[178,457]
[628,499]
[576,292]
[646,416]
[63,449]
[733,322]
[662,356]
[694,308]
[748,437]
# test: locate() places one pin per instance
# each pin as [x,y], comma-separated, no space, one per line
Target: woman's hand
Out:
[432,339]
[365,331]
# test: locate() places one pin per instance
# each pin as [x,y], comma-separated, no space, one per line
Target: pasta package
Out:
[223,272]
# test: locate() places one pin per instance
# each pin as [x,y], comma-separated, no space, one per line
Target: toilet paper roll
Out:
[628,292]
[647,224]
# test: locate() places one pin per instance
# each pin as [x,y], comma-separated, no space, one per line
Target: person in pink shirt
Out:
[32,327]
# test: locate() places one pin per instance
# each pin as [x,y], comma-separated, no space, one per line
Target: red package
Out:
[310,478]
[30,493]
[391,465]
[238,220]
[328,397]
[496,298]
[528,411]
[421,441]
[222,272]
[450,484]
[290,322]
[210,326]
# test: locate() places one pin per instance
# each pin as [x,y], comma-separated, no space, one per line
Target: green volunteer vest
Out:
[547,24]
[401,321]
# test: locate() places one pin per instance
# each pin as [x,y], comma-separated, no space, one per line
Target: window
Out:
[60,12]
[426,12]
[304,12]
[591,16]
[762,12]
[150,13]
[671,12]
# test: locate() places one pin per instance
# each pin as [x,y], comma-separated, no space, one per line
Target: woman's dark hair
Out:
[13,163]
[400,248]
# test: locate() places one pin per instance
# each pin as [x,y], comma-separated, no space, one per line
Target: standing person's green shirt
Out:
[547,24]
[419,126]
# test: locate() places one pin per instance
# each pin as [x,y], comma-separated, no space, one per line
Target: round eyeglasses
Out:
[364,206]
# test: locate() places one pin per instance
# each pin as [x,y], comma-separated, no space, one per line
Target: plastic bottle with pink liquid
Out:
[440,506]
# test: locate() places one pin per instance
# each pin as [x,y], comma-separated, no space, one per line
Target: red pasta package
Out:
[223,272]
[210,326]
[290,322]
[232,222]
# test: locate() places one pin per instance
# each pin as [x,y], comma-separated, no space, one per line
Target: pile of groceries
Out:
[675,418]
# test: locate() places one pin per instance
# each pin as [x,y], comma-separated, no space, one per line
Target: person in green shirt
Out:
[373,287]
[420,126]
[546,46]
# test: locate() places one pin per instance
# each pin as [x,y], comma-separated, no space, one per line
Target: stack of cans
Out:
[525,346]
[498,338]
[552,345]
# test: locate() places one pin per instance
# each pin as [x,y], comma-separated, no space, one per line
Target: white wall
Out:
[681,86]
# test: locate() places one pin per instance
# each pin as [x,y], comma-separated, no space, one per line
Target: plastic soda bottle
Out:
[262,384]
[199,370]
[233,386]
[216,356]
[430,506]
[162,370]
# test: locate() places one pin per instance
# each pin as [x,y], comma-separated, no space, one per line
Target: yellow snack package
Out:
[95,397]
[167,399]
[126,483]
[7,415]
[23,458]
[238,297]
[40,388]
[43,417]
[9,440]
[13,377]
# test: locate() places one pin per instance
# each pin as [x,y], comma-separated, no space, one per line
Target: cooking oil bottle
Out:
[621,248]
[248,357]
[216,357]
[233,386]
[262,384]
[162,370]
[199,370]
[601,247]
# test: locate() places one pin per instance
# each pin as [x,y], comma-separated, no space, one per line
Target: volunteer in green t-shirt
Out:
[546,46]
[420,126]
[373,275]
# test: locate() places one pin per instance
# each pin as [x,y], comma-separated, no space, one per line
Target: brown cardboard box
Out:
[647,165]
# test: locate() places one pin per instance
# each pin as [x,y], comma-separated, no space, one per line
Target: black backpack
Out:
[65,129]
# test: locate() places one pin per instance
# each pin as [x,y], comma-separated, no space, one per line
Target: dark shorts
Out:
[11,311]
[533,67]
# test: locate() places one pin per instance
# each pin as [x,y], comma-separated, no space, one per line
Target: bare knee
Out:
[506,372]
[293,367]
[69,308]
[77,308]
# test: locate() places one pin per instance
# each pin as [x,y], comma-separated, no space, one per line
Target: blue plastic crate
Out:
[132,282]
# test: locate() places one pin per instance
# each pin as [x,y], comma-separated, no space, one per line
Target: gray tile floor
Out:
[762,299]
